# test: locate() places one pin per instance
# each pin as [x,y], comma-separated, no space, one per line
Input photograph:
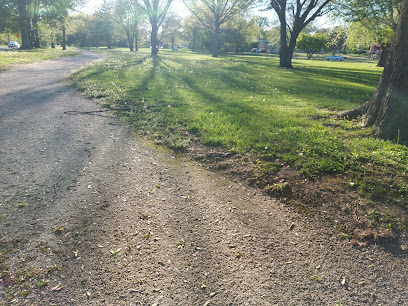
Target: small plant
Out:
[314,278]
[42,284]
[53,268]
[345,236]
[180,244]
[147,236]
[58,231]
[143,216]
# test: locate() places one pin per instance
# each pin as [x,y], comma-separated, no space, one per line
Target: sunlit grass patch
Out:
[9,57]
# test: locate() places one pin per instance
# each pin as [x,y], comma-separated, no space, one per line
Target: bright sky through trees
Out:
[177,6]
[182,11]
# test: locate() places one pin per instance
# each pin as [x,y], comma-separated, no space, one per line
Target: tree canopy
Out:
[213,14]
[312,43]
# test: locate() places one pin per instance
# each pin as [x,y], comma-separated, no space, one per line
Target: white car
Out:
[335,58]
[14,44]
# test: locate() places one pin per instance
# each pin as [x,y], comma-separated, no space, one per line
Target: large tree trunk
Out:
[64,42]
[24,23]
[215,39]
[285,54]
[136,40]
[385,51]
[388,108]
[130,42]
[153,39]
[109,39]
[37,39]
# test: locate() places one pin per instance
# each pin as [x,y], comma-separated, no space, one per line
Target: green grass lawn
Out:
[246,103]
[10,57]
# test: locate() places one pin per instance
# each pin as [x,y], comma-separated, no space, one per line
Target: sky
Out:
[180,8]
[94,4]
[177,6]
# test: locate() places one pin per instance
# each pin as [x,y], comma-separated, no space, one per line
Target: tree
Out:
[301,13]
[213,14]
[194,33]
[312,43]
[23,19]
[358,37]
[7,17]
[240,32]
[172,29]
[378,17]
[337,39]
[105,15]
[156,11]
[129,14]
[388,108]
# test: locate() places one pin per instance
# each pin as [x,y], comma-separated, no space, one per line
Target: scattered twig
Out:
[89,153]
[74,112]
[55,191]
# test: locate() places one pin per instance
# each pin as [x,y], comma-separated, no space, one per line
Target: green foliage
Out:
[312,43]
[359,38]
[238,34]
[377,18]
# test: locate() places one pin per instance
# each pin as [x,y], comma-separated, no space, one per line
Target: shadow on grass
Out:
[311,85]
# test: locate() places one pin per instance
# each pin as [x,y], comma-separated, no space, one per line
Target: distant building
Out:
[262,43]
[273,48]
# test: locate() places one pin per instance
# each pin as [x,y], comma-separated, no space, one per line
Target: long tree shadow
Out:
[306,82]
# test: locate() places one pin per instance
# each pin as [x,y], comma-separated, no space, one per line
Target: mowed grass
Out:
[247,103]
[10,57]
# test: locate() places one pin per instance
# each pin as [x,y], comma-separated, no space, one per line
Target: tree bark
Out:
[215,39]
[24,23]
[109,39]
[37,39]
[64,42]
[385,51]
[130,42]
[136,40]
[285,58]
[388,108]
[154,40]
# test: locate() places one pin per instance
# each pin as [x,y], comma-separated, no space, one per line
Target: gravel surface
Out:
[92,215]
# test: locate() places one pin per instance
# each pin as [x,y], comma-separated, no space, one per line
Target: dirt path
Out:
[90,215]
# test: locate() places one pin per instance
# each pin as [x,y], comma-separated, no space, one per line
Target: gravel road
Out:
[92,215]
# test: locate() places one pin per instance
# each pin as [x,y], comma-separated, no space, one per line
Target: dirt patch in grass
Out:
[361,218]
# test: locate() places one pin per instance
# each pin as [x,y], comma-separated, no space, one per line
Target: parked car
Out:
[262,50]
[335,58]
[13,44]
